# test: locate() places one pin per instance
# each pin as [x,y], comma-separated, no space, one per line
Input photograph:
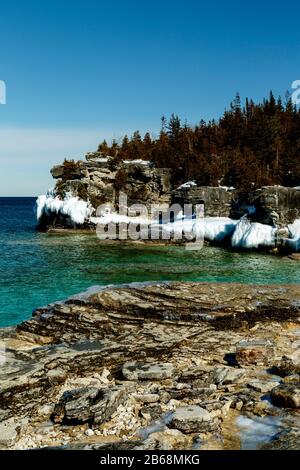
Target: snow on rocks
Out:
[218,228]
[209,228]
[71,206]
[228,188]
[115,218]
[137,161]
[243,233]
[294,229]
[294,232]
[187,185]
[253,235]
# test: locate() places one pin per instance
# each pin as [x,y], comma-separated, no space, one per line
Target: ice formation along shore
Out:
[76,209]
[241,233]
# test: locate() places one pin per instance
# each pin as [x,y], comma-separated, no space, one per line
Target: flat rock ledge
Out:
[155,366]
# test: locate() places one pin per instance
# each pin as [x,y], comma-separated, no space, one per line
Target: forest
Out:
[251,145]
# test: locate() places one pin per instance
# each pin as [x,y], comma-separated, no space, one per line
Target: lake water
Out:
[39,268]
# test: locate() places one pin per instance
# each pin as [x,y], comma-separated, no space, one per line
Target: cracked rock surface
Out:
[158,366]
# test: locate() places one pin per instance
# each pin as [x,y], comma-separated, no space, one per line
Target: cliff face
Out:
[218,201]
[272,205]
[87,193]
[276,204]
[100,180]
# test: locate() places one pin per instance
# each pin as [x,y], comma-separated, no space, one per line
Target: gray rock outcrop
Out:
[153,366]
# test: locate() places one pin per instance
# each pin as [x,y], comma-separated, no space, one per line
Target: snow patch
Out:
[76,209]
[138,161]
[252,235]
[186,185]
[209,228]
[227,188]
[218,228]
[294,229]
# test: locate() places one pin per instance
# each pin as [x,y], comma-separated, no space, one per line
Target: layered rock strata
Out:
[163,366]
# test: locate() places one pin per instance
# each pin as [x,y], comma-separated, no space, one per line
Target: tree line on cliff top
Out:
[249,146]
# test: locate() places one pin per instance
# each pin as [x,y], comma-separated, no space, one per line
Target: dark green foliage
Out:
[103,148]
[71,170]
[139,194]
[120,179]
[60,189]
[250,146]
[96,200]
[82,192]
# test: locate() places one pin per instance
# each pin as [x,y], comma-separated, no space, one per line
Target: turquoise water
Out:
[38,268]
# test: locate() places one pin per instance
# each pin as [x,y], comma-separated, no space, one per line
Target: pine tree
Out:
[248,146]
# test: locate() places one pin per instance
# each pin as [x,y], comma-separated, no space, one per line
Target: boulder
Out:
[289,365]
[192,418]
[168,439]
[147,397]
[254,352]
[226,375]
[112,399]
[286,395]
[76,405]
[217,200]
[8,433]
[282,201]
[143,371]
[262,386]
[89,404]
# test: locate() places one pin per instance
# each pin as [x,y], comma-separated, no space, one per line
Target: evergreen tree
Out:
[249,146]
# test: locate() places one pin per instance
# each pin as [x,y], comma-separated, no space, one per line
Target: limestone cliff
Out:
[87,190]
[99,180]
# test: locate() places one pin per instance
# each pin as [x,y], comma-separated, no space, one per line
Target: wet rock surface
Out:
[164,366]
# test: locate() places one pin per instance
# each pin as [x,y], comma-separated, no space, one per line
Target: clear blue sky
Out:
[77,71]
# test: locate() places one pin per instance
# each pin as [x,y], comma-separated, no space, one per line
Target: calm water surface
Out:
[38,268]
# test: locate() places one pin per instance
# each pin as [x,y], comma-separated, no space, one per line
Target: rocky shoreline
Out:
[155,366]
[140,202]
